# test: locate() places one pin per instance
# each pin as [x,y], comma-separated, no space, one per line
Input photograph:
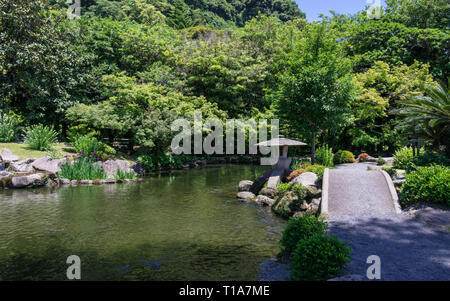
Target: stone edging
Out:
[325,183]
[393,192]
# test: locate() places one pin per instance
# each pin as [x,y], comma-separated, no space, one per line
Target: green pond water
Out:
[184,225]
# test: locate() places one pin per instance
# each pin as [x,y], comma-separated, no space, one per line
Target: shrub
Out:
[300,228]
[324,155]
[403,157]
[147,162]
[8,128]
[300,191]
[163,161]
[40,137]
[317,169]
[381,161]
[283,188]
[294,174]
[319,258]
[81,169]
[427,184]
[124,175]
[427,159]
[363,157]
[87,144]
[344,156]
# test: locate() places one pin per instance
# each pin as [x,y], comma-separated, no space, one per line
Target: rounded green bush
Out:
[300,228]
[344,156]
[427,184]
[319,258]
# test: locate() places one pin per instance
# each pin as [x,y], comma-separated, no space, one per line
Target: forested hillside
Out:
[186,13]
[128,68]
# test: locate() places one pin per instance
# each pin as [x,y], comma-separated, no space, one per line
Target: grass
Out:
[23,151]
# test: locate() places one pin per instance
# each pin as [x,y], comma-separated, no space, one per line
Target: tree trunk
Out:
[313,146]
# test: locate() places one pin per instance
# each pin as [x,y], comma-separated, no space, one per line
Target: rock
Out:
[313,192]
[304,206]
[398,182]
[3,166]
[245,185]
[139,169]
[108,181]
[269,192]
[316,202]
[22,166]
[349,278]
[306,179]
[34,180]
[8,156]
[48,164]
[64,181]
[112,166]
[264,200]
[298,214]
[86,182]
[74,182]
[246,196]
[287,205]
[5,173]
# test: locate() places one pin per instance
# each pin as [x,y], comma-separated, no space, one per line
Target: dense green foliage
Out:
[300,228]
[427,184]
[127,68]
[40,137]
[319,258]
[431,113]
[344,156]
[9,129]
[324,156]
[427,159]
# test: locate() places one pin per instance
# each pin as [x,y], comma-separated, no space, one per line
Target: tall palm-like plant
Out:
[431,112]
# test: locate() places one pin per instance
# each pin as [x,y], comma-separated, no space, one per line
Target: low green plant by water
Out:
[124,175]
[82,168]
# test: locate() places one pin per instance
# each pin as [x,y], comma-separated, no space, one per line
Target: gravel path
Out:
[361,211]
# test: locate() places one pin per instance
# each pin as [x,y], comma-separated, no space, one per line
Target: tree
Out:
[431,113]
[316,88]
[43,70]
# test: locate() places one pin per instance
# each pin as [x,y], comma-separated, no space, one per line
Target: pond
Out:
[184,225]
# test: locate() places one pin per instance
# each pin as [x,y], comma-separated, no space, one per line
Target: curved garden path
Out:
[361,211]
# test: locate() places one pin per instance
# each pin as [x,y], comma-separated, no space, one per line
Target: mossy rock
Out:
[287,205]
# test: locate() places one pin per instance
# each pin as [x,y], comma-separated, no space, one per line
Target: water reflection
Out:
[185,225]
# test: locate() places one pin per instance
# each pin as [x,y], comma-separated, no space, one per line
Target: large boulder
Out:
[8,156]
[306,179]
[245,185]
[264,200]
[246,196]
[112,166]
[287,205]
[22,166]
[48,164]
[33,180]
